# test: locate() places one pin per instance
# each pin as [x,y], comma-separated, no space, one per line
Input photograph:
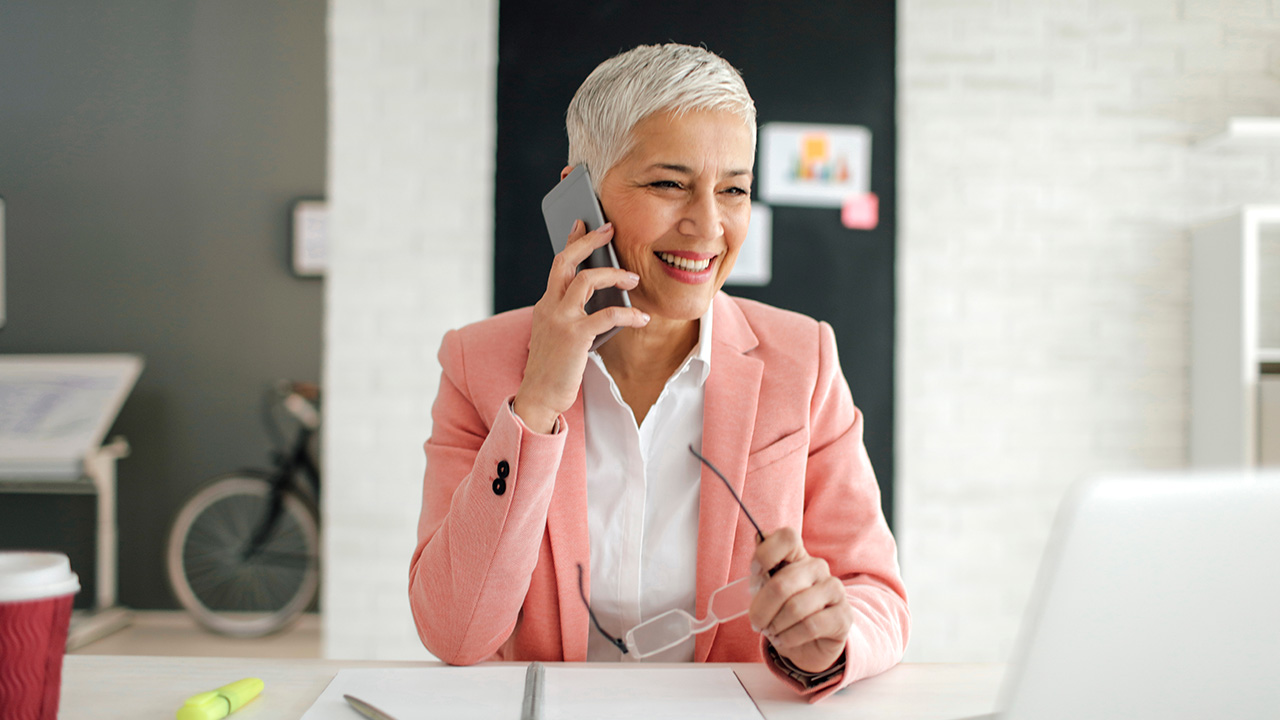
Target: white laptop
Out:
[1158,597]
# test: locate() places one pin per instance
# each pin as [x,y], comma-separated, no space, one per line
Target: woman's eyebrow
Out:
[686,170]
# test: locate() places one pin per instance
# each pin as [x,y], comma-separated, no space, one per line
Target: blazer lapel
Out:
[570,544]
[729,414]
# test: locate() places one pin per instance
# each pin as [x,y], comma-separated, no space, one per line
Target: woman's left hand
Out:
[802,609]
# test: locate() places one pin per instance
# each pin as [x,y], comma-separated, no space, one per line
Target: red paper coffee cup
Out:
[36,593]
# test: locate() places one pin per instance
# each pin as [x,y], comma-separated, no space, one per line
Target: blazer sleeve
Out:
[844,525]
[485,495]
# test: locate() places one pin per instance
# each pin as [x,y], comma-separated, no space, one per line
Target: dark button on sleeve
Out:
[500,482]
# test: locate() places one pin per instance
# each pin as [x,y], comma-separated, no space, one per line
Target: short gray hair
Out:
[630,87]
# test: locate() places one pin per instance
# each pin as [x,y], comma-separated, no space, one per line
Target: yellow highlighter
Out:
[217,704]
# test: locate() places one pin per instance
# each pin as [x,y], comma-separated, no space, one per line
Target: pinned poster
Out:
[861,212]
[814,165]
[754,265]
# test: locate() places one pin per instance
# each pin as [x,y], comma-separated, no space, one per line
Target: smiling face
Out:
[680,203]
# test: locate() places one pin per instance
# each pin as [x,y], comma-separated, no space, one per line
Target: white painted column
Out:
[411,158]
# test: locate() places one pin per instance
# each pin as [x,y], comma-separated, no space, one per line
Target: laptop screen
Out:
[1158,597]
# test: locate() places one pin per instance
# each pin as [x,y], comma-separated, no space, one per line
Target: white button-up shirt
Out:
[642,500]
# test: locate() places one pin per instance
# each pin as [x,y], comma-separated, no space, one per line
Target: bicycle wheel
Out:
[227,589]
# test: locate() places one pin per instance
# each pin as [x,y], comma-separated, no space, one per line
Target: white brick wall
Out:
[411,112]
[1046,183]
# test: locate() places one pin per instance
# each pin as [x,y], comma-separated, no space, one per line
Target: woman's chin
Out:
[685,309]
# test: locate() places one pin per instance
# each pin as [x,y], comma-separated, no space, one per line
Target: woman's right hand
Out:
[563,331]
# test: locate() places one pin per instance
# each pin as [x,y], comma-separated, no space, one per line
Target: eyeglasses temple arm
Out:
[616,642]
[734,493]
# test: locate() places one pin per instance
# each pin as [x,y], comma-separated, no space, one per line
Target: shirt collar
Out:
[700,358]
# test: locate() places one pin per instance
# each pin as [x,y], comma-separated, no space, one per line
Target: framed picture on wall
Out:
[813,165]
[1,261]
[310,230]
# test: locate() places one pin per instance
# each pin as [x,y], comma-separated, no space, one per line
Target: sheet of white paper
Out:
[466,693]
[575,693]
[754,265]
[310,237]
[484,693]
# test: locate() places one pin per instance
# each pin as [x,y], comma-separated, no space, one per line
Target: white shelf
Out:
[1244,133]
[1226,356]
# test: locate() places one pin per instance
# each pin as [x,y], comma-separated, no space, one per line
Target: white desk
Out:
[103,687]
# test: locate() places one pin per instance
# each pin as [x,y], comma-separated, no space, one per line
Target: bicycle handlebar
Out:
[300,399]
[302,409]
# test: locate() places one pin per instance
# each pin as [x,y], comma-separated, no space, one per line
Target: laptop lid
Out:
[1158,597]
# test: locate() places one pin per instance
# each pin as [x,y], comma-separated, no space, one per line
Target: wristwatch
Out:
[805,678]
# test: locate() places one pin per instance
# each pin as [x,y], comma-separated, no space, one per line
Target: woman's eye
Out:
[665,184]
[737,191]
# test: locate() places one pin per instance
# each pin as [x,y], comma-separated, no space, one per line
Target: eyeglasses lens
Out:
[731,601]
[674,626]
[657,634]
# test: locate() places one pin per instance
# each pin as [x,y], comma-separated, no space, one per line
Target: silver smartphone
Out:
[574,199]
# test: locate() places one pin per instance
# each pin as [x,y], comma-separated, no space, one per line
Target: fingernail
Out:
[756,583]
[753,627]
[644,316]
[633,277]
[606,226]
[755,567]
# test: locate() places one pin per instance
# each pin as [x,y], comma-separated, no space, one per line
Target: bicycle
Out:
[243,551]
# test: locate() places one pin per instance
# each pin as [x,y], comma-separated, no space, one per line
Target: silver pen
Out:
[366,709]
[534,683]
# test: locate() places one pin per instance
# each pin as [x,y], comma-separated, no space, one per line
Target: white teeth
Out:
[683,264]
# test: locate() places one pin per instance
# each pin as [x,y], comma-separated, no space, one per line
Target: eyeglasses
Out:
[673,627]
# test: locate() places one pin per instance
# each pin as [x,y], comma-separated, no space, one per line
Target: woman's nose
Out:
[702,218]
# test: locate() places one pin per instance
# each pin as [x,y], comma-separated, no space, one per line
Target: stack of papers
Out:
[488,692]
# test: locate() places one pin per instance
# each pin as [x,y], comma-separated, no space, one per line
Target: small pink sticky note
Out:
[861,212]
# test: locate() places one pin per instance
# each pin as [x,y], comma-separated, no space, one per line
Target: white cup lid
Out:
[35,575]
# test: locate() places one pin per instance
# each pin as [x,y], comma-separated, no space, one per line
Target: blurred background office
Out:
[1044,172]
[150,152]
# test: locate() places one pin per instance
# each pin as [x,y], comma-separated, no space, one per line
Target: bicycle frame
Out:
[295,473]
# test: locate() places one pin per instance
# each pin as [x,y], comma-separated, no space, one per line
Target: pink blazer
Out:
[504,509]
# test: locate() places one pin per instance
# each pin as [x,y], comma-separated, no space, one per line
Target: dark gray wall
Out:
[149,155]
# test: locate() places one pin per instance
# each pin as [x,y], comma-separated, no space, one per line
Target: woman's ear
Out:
[565,172]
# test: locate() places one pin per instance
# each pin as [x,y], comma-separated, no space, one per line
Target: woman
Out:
[546,458]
